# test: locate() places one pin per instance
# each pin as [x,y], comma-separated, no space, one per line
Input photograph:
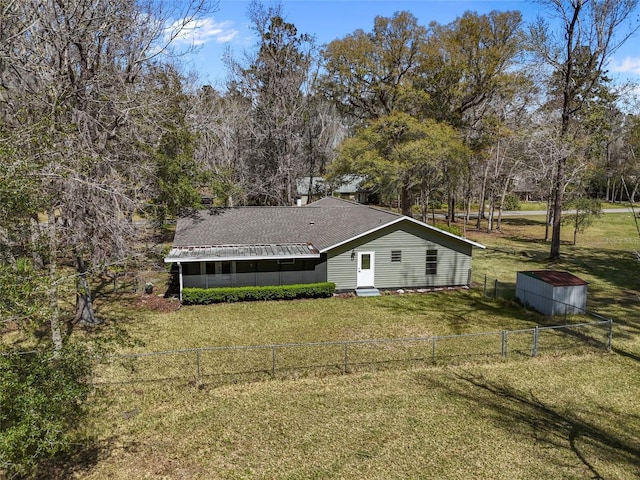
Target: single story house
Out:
[349,188]
[353,245]
[551,292]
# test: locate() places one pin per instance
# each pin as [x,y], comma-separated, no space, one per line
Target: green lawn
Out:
[555,416]
[574,417]
[323,320]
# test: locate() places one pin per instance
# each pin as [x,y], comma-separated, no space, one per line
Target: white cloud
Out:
[199,32]
[628,65]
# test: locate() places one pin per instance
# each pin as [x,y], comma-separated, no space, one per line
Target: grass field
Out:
[570,416]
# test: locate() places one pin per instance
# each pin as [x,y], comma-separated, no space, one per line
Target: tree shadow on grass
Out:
[80,460]
[522,221]
[462,309]
[522,413]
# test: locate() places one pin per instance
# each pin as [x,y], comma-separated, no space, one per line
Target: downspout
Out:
[180,279]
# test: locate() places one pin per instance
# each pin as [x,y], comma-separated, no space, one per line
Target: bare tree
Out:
[222,124]
[76,74]
[275,79]
[577,52]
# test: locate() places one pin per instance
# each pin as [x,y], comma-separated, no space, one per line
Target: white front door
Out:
[365,269]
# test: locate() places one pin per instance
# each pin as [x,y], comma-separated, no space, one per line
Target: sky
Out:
[228,28]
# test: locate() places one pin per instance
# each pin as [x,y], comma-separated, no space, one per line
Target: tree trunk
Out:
[613,192]
[547,220]
[425,206]
[491,210]
[558,194]
[36,256]
[85,314]
[483,193]
[467,214]
[501,206]
[56,334]
[405,198]
[451,208]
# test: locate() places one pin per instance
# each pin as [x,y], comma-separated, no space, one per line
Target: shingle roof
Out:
[323,224]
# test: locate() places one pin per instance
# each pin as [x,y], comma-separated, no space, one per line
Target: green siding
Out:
[454,258]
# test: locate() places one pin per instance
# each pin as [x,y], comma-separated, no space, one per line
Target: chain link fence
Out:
[493,288]
[237,363]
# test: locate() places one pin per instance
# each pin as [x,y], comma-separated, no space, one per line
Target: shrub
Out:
[42,399]
[455,229]
[511,202]
[205,296]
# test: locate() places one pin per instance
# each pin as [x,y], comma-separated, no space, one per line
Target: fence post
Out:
[433,348]
[534,348]
[197,367]
[610,336]
[484,290]
[503,347]
[273,359]
[495,290]
[346,356]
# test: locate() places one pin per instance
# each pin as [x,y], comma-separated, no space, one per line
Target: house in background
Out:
[551,292]
[350,188]
[353,245]
[526,187]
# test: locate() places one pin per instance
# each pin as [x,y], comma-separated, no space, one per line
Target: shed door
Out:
[365,269]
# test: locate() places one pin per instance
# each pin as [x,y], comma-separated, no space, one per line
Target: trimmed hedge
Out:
[204,296]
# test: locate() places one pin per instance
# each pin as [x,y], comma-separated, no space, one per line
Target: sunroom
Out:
[248,265]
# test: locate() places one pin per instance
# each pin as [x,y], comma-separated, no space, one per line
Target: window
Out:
[217,268]
[191,268]
[245,267]
[432,262]
[396,255]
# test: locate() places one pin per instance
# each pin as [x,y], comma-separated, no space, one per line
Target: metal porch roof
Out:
[218,253]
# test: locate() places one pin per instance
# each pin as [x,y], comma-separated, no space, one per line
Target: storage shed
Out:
[552,292]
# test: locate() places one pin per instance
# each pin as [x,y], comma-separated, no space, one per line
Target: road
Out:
[524,213]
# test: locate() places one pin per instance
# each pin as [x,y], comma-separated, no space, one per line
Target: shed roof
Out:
[556,278]
[322,225]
